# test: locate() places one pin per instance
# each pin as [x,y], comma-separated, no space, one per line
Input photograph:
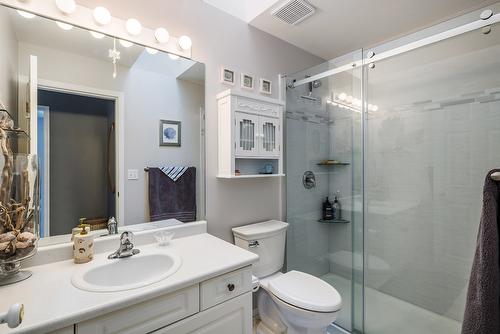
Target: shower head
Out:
[312,85]
[309,97]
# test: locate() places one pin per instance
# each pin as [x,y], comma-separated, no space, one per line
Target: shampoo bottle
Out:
[337,207]
[327,210]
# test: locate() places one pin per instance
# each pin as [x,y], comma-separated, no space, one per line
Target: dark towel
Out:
[482,311]
[172,199]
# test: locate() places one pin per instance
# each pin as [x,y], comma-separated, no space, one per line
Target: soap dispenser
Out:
[83,244]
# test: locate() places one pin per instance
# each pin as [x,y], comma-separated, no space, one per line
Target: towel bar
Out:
[495,176]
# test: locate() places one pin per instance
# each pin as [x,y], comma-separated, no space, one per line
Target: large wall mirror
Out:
[118,128]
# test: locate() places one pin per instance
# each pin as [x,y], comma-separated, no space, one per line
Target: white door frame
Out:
[118,98]
[46,170]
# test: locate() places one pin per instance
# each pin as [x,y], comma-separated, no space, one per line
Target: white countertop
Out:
[51,301]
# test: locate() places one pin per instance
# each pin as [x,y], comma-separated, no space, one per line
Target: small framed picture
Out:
[170,133]
[247,81]
[227,76]
[265,86]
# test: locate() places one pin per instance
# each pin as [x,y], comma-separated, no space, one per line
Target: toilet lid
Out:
[306,291]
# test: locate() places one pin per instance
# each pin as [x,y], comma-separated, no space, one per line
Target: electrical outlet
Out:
[133,174]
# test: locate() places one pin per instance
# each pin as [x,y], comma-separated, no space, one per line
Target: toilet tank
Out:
[265,239]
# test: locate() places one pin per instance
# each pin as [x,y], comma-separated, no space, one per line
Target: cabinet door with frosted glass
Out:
[270,134]
[246,134]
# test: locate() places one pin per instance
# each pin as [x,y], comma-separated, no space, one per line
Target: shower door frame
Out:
[431,35]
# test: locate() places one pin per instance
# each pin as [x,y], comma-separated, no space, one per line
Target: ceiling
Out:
[245,10]
[342,26]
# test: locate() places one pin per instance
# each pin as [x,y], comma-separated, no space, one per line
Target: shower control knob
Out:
[309,180]
[230,287]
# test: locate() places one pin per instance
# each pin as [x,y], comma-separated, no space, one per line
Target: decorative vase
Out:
[19,213]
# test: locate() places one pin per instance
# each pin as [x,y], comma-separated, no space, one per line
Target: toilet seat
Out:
[306,292]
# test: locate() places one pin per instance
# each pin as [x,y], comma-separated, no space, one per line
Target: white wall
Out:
[149,97]
[8,65]
[220,39]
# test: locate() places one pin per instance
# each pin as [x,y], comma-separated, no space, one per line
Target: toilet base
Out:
[273,321]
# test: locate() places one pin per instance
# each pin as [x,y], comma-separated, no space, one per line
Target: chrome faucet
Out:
[126,248]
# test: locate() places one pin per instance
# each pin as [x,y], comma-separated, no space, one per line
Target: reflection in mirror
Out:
[117,127]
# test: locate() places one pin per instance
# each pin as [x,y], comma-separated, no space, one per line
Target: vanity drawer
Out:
[221,288]
[257,107]
[147,316]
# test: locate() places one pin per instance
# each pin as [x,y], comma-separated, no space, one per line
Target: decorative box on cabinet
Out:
[250,135]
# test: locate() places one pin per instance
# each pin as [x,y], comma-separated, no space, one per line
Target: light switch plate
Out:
[133,174]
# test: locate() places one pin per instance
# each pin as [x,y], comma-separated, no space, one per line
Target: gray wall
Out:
[8,64]
[220,39]
[156,97]
[78,158]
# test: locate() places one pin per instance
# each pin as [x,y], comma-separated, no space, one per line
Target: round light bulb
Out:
[66,6]
[173,56]
[97,35]
[342,96]
[162,35]
[348,99]
[64,26]
[375,108]
[125,44]
[356,102]
[185,43]
[134,27]
[26,15]
[151,51]
[102,16]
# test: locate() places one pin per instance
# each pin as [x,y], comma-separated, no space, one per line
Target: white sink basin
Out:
[126,273]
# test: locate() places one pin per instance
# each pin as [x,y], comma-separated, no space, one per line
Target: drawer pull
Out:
[230,287]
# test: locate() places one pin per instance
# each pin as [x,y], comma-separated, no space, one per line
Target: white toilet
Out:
[294,302]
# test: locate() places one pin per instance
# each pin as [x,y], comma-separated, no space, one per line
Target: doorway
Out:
[76,142]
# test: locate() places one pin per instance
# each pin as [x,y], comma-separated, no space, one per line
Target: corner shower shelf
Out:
[334,221]
[334,164]
[249,176]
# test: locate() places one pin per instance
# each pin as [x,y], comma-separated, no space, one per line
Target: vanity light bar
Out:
[372,57]
[100,21]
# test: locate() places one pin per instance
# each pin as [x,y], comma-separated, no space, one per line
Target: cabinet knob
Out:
[230,287]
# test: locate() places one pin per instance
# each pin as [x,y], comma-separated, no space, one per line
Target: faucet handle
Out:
[126,237]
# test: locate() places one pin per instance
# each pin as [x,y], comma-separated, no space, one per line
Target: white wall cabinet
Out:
[222,304]
[250,135]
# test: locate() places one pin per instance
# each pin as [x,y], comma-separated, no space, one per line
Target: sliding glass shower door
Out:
[432,134]
[324,160]
[404,137]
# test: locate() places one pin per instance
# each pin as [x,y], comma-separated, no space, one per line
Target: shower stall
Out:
[404,134]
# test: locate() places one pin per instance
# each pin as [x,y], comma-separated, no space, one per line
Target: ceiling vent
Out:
[293,11]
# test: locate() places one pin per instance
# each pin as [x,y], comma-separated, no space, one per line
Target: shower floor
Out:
[403,318]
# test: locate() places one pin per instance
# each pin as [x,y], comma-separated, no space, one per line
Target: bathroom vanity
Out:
[210,292]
